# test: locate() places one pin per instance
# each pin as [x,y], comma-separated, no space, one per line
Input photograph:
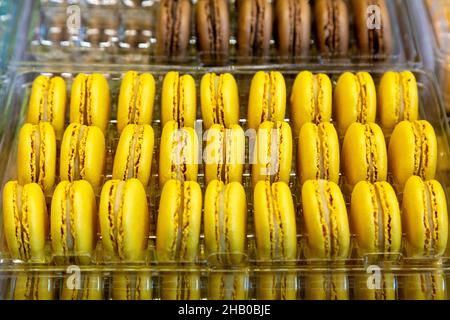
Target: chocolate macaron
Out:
[332,26]
[213,28]
[254,27]
[173,27]
[293,27]
[373,27]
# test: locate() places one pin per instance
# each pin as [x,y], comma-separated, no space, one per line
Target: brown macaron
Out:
[293,27]
[254,27]
[173,27]
[332,26]
[373,27]
[213,28]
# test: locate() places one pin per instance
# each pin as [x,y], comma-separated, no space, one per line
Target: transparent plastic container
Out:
[117,32]
[306,279]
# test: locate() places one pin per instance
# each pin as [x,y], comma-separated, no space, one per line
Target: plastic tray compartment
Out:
[115,31]
[180,278]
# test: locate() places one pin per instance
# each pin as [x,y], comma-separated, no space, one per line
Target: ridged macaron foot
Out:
[73,221]
[124,220]
[293,27]
[224,154]
[132,286]
[90,101]
[178,154]
[398,99]
[372,286]
[83,154]
[332,27]
[325,221]
[36,155]
[213,29]
[422,285]
[179,221]
[282,285]
[254,28]
[326,286]
[25,221]
[174,26]
[178,99]
[219,99]
[136,98]
[375,219]
[275,225]
[354,100]
[232,285]
[424,218]
[267,98]
[364,155]
[311,98]
[272,154]
[374,37]
[412,151]
[179,285]
[90,287]
[318,154]
[48,102]
[33,286]
[134,153]
[225,222]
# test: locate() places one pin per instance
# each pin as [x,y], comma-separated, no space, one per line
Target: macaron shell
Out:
[402,151]
[397,90]
[234,206]
[350,93]
[229,166]
[34,286]
[316,245]
[178,100]
[123,157]
[95,163]
[171,159]
[355,154]
[278,136]
[280,194]
[139,91]
[277,286]
[228,285]
[423,286]
[180,286]
[132,286]
[319,286]
[363,222]
[308,152]
[54,89]
[305,105]
[170,208]
[98,106]
[266,84]
[414,208]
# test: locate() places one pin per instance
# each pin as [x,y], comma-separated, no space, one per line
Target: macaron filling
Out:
[22,236]
[430,219]
[361,104]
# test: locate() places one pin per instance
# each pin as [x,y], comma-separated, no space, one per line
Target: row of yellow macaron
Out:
[123,221]
[355,99]
[364,155]
[233,285]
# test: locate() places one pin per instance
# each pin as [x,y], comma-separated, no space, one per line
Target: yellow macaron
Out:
[178,99]
[178,285]
[423,285]
[48,102]
[25,221]
[89,287]
[267,98]
[134,285]
[326,286]
[232,285]
[282,285]
[33,286]
[90,101]
[373,286]
[219,99]
[136,98]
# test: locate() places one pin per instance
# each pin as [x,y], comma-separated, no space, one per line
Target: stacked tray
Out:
[112,47]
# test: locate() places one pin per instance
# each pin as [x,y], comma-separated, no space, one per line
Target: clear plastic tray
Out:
[50,40]
[252,273]
[8,19]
